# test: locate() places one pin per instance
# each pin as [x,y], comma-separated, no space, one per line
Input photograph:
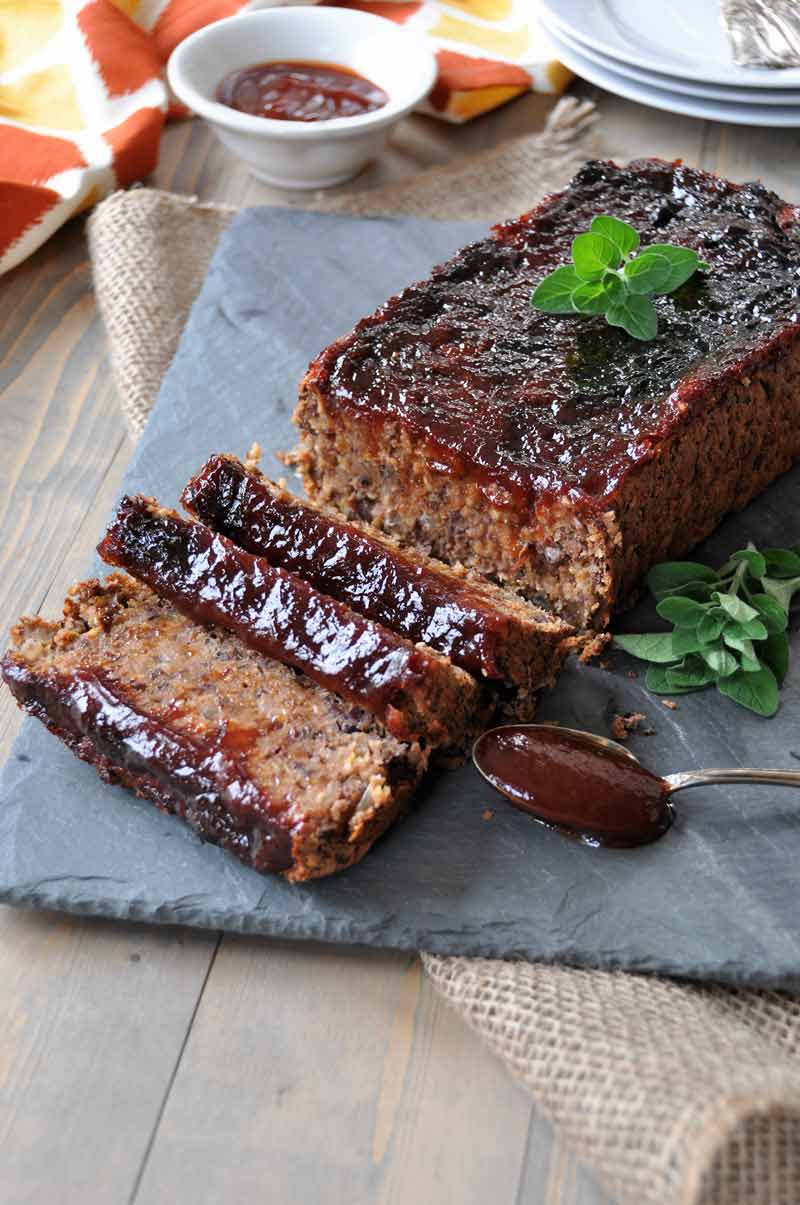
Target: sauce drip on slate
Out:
[564,780]
[300,91]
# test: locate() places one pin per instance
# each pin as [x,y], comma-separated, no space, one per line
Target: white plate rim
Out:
[675,102]
[724,93]
[749,77]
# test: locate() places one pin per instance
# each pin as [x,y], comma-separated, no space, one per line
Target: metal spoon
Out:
[585,785]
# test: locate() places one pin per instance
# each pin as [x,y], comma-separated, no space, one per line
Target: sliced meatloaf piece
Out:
[488,631]
[417,693]
[556,453]
[254,756]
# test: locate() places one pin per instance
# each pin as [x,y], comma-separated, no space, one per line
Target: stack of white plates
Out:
[671,54]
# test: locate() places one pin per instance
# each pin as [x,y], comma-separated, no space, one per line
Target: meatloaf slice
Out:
[253,756]
[553,452]
[487,631]
[415,692]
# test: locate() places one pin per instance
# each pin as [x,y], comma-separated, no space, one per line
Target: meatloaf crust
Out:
[553,452]
[255,757]
[414,691]
[489,632]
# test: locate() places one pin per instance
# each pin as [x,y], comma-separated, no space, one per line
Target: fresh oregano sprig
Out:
[729,626]
[610,275]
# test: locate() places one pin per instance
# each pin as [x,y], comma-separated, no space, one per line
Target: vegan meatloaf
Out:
[254,756]
[490,632]
[415,692]
[556,453]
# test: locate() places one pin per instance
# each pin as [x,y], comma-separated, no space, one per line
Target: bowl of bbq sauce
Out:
[306,96]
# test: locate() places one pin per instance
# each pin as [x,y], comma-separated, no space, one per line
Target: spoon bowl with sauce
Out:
[306,96]
[592,788]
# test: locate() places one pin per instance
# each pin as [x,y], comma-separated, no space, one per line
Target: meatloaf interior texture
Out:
[254,756]
[555,453]
[484,629]
[415,692]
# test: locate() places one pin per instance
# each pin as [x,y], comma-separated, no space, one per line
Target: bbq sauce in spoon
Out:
[566,781]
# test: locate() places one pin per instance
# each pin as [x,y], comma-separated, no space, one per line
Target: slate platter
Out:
[716,899]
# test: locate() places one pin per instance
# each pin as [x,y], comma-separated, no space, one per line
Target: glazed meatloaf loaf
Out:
[415,692]
[490,632]
[555,452]
[254,756]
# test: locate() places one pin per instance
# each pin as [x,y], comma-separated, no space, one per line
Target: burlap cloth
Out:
[674,1093]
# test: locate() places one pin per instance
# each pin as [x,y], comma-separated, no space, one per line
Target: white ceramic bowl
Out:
[295,154]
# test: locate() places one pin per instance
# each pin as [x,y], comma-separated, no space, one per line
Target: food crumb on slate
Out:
[623,725]
[670,703]
[488,814]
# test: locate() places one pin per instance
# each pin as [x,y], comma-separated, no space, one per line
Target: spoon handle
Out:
[701,778]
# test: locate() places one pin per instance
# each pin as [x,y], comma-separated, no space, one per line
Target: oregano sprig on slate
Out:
[611,275]
[729,626]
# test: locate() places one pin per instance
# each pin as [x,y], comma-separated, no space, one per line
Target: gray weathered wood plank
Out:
[327,1075]
[92,1016]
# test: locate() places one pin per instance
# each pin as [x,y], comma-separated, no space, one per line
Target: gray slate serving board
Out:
[717,898]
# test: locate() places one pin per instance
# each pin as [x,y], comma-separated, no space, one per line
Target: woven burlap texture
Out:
[675,1094]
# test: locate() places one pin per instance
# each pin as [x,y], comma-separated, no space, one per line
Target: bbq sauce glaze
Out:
[208,578]
[201,780]
[536,406]
[300,91]
[560,778]
[341,561]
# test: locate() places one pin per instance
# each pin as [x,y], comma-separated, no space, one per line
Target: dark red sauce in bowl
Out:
[562,778]
[300,91]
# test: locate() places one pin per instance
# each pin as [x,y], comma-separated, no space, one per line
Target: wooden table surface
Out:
[163,1066]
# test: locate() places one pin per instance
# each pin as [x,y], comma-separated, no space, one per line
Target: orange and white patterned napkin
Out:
[489,51]
[83,100]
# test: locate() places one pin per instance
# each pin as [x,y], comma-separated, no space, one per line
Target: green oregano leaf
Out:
[591,297]
[781,562]
[781,591]
[623,236]
[754,560]
[656,646]
[720,660]
[729,626]
[648,273]
[682,262]
[657,681]
[592,254]
[710,627]
[771,613]
[757,692]
[739,644]
[636,315]
[683,612]
[775,653]
[676,575]
[554,294]
[693,674]
[609,255]
[686,640]
[734,607]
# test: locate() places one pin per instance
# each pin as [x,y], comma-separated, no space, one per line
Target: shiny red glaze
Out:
[209,579]
[300,91]
[344,562]
[199,779]
[536,406]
